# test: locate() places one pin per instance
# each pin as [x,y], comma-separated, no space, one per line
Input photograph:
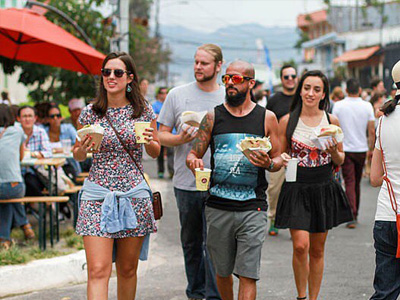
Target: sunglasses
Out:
[286,77]
[236,79]
[117,72]
[55,116]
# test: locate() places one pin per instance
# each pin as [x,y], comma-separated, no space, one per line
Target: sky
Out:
[209,15]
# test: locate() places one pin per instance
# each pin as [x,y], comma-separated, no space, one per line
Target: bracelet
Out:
[271,166]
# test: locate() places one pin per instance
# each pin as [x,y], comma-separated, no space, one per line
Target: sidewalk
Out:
[57,271]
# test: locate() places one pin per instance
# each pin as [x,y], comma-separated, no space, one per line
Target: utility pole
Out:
[157,30]
[357,14]
[124,25]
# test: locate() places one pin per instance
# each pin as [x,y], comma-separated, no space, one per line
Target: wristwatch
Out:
[271,166]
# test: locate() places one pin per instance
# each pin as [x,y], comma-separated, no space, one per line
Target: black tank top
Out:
[236,184]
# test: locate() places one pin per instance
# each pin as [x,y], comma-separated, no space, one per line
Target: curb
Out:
[43,274]
[62,270]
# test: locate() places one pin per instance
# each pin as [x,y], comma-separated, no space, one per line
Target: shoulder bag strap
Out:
[126,149]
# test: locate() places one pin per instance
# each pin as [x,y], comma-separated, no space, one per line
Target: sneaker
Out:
[351,225]
[272,229]
[160,175]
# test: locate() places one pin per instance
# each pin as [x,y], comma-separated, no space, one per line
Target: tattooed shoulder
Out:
[202,140]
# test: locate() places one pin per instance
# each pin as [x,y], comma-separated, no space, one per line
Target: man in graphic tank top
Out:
[236,209]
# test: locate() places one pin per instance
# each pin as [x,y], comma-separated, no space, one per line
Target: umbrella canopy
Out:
[28,36]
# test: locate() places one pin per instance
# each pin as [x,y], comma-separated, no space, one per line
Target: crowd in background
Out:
[39,131]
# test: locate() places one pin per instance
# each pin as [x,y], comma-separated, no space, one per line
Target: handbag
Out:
[157,203]
[392,196]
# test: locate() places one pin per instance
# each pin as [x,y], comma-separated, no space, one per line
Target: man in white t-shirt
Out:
[356,118]
[201,95]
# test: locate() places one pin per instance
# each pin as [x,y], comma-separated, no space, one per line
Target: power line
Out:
[224,47]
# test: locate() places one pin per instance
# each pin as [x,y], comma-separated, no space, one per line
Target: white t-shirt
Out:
[354,115]
[391,145]
[188,97]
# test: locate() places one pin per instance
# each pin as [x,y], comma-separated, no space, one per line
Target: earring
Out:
[128,88]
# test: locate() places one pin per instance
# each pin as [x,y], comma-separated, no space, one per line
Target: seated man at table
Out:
[37,145]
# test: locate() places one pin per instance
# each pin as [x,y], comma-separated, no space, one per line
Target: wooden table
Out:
[50,163]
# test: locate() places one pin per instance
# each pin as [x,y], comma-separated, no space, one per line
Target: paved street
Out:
[348,270]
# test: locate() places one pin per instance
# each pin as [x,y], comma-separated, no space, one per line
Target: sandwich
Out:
[95,131]
[255,143]
[330,130]
[193,118]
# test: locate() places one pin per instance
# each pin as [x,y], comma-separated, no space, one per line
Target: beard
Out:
[235,100]
[205,78]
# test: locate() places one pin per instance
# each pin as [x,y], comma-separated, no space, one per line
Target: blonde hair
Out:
[214,50]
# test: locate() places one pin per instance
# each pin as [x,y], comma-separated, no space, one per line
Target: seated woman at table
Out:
[11,182]
[58,132]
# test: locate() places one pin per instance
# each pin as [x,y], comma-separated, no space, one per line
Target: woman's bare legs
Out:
[128,252]
[317,249]
[301,246]
[99,263]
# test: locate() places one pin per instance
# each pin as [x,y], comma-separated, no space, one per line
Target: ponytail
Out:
[390,106]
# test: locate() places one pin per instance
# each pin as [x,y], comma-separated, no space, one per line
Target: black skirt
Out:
[315,202]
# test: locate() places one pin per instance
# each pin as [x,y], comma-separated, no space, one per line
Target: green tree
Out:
[55,84]
[302,39]
[147,51]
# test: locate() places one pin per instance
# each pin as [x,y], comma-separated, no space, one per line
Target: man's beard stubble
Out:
[207,78]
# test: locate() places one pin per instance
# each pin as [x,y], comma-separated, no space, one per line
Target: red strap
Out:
[392,196]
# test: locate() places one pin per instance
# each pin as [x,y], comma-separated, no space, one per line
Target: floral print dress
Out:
[113,169]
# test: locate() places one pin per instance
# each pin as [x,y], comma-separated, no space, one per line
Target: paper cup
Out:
[291,170]
[202,179]
[140,127]
[66,145]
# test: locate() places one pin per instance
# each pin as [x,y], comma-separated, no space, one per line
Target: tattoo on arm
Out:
[202,140]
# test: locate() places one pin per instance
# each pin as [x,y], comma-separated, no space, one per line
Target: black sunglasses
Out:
[117,72]
[286,77]
[55,116]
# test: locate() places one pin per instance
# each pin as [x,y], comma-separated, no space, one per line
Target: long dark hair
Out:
[6,116]
[297,103]
[390,106]
[134,97]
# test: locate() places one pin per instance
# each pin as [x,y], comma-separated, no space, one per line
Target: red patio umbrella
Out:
[28,36]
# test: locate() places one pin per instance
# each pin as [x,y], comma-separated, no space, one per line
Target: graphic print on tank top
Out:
[234,177]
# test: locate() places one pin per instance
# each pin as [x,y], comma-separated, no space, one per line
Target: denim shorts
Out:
[234,241]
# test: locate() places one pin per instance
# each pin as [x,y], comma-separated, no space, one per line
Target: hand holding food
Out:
[255,143]
[327,137]
[256,150]
[330,130]
[96,132]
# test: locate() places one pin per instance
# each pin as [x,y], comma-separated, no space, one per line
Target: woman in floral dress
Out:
[114,178]
[316,202]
